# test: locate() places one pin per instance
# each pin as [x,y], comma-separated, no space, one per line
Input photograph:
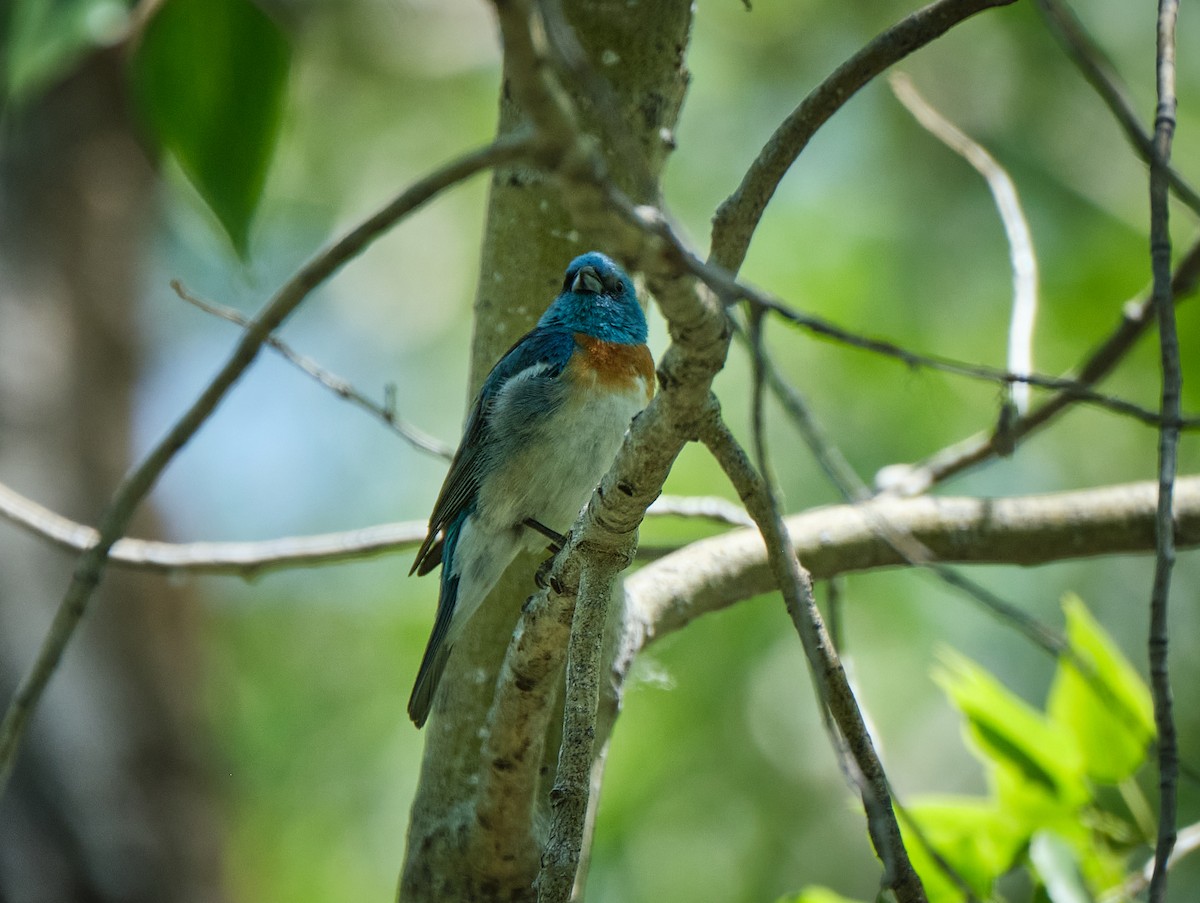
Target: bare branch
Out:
[714,573]
[1076,390]
[738,217]
[1136,316]
[572,778]
[252,559]
[90,567]
[1101,75]
[835,696]
[340,387]
[1168,447]
[1020,243]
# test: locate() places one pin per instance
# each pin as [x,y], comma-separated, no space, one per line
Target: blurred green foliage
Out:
[721,786]
[209,77]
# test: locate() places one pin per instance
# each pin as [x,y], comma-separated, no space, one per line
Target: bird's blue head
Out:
[598,299]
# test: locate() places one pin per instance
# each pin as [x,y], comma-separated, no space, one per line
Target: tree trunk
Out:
[529,239]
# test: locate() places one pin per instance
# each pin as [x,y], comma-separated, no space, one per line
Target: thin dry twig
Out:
[134,488]
[1168,445]
[1016,229]
[852,488]
[340,387]
[1187,842]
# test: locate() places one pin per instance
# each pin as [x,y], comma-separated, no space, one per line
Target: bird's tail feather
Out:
[428,677]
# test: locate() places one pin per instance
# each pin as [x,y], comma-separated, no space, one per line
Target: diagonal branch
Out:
[738,217]
[337,385]
[835,695]
[91,565]
[1099,72]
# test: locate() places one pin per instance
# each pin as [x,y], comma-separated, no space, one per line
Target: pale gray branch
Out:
[1016,229]
[253,558]
[1026,530]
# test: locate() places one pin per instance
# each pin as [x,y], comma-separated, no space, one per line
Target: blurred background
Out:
[214,739]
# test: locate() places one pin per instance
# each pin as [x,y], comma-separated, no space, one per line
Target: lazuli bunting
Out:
[544,429]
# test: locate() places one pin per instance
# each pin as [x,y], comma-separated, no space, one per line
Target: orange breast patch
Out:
[614,365]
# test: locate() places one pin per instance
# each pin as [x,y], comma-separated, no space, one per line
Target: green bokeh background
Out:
[721,785]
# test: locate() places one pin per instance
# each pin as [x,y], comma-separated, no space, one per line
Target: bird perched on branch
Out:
[542,432]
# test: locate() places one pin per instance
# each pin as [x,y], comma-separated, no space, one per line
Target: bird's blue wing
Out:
[537,360]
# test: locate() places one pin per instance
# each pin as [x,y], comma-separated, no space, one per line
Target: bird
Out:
[543,430]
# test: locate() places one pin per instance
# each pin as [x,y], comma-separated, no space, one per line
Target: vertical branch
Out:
[572,781]
[836,697]
[1160,258]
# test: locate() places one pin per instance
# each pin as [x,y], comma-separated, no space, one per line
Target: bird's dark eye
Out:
[567,282]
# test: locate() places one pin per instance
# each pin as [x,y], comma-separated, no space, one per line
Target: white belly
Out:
[552,478]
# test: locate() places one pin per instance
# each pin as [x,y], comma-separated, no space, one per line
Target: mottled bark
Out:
[529,238]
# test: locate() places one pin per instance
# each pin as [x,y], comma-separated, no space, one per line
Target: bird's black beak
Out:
[588,280]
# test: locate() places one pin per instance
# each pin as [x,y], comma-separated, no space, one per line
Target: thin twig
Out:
[1075,389]
[1136,316]
[1168,444]
[1187,842]
[739,215]
[134,488]
[854,491]
[1102,76]
[852,488]
[730,290]
[1016,229]
[758,357]
[829,679]
[340,387]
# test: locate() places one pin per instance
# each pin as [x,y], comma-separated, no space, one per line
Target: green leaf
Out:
[974,837]
[42,39]
[1107,706]
[1055,864]
[816,895]
[1009,733]
[209,77]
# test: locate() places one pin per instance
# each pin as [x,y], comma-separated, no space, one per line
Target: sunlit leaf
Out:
[974,838]
[42,39]
[1108,708]
[1007,732]
[209,76]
